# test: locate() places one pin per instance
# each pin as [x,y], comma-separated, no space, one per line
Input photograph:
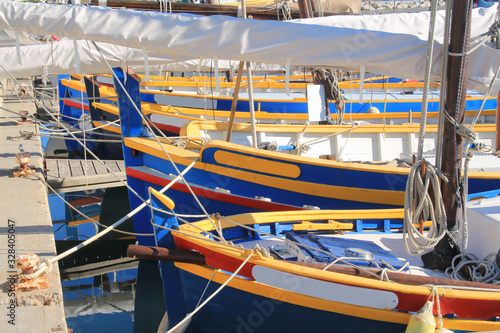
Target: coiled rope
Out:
[419,204]
[484,271]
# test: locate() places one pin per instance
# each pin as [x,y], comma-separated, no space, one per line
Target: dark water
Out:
[91,307]
[99,303]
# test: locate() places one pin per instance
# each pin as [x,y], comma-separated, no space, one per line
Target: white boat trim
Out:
[325,290]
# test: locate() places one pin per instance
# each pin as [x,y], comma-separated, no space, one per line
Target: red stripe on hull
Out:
[76,105]
[168,128]
[86,201]
[216,259]
[212,195]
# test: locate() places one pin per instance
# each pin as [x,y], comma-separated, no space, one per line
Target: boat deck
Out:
[26,216]
[391,242]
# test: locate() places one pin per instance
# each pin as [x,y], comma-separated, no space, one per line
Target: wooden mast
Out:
[250,95]
[445,250]
[304,9]
[235,101]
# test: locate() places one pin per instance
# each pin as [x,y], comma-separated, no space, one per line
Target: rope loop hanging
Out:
[420,205]
[286,11]
[328,78]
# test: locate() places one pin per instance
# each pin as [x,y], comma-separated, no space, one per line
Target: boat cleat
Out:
[24,117]
[29,281]
[23,158]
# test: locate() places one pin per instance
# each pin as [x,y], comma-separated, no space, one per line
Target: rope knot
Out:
[260,250]
[31,266]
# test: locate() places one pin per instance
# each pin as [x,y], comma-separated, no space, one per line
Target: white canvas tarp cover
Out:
[393,44]
[60,58]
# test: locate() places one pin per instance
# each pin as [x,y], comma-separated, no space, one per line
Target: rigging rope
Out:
[286,11]
[141,114]
[492,35]
[428,68]
[332,91]
[492,83]
[418,204]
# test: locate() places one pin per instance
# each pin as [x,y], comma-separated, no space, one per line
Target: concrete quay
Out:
[25,225]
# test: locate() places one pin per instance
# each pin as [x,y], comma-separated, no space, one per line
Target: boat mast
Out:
[250,94]
[446,249]
[304,9]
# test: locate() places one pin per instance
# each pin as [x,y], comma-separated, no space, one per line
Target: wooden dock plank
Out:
[120,166]
[113,166]
[64,168]
[100,168]
[76,168]
[76,175]
[52,168]
[88,167]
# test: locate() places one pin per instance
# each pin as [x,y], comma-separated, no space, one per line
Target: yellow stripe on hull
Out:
[107,127]
[179,155]
[185,157]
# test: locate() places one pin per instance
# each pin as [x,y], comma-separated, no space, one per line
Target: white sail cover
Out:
[393,44]
[61,57]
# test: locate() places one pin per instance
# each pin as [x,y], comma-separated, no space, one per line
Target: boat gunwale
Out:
[198,228]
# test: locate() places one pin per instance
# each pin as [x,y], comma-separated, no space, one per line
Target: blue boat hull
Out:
[234,310]
[230,178]
[245,311]
[242,190]
[292,106]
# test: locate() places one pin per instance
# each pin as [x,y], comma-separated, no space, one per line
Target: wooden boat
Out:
[323,269]
[248,294]
[268,286]
[359,141]
[390,103]
[233,178]
[356,142]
